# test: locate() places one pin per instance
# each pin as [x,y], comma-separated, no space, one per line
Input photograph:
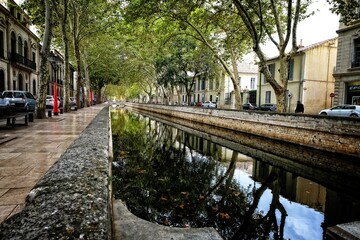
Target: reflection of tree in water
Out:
[175,185]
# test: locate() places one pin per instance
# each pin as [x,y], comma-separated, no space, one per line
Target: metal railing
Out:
[17,58]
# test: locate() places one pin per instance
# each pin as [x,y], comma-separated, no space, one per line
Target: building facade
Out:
[56,67]
[248,82]
[310,78]
[347,72]
[19,50]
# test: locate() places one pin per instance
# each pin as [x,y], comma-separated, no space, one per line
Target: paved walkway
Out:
[27,152]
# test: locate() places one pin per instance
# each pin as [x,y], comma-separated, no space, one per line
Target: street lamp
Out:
[55,64]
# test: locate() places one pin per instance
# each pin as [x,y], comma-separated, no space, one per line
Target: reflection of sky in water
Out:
[302,222]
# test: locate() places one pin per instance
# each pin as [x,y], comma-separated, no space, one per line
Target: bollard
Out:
[49,113]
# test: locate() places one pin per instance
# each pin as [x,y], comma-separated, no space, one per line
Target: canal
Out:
[175,175]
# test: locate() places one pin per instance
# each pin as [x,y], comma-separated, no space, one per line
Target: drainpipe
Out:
[260,90]
[327,78]
[301,84]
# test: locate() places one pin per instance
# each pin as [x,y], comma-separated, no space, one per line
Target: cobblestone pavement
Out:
[27,152]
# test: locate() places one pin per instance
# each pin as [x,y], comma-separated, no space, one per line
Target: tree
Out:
[346,9]
[207,22]
[44,53]
[277,21]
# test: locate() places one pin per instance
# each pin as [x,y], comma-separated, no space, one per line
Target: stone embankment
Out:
[72,200]
[334,134]
[285,140]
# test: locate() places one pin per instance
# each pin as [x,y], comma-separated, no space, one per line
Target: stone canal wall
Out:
[72,200]
[333,134]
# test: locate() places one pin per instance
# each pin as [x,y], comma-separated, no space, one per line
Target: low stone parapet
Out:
[129,227]
[72,200]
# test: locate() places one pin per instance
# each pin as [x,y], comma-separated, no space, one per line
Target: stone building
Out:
[347,71]
[310,78]
[248,85]
[19,50]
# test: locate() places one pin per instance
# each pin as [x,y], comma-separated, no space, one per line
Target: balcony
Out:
[19,59]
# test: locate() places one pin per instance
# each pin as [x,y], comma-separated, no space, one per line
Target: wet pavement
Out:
[27,152]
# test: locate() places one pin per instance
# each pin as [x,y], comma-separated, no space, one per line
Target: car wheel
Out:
[353,115]
[323,113]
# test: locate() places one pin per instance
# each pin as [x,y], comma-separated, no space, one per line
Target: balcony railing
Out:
[17,58]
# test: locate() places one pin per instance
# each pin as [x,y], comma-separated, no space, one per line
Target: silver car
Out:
[209,104]
[342,111]
[21,100]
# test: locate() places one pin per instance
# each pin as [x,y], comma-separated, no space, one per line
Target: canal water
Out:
[178,176]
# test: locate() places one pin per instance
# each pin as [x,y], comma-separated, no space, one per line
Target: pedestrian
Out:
[299,107]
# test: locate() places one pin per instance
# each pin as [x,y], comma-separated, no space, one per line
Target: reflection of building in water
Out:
[310,193]
[339,205]
[294,188]
[219,153]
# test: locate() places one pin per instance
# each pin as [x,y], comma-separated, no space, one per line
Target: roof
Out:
[247,68]
[312,46]
[331,41]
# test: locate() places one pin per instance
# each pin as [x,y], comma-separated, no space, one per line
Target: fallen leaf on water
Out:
[224,215]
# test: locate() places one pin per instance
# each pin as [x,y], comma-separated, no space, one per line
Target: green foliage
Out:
[346,9]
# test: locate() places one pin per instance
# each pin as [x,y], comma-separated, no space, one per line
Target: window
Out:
[26,49]
[356,60]
[272,69]
[252,83]
[268,97]
[20,46]
[211,84]
[291,69]
[34,87]
[1,44]
[203,84]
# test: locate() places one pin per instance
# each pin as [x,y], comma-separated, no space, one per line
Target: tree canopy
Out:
[158,46]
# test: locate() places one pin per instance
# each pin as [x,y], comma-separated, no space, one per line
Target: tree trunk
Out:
[44,71]
[76,43]
[235,80]
[66,56]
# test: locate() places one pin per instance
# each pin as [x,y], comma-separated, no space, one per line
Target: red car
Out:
[199,104]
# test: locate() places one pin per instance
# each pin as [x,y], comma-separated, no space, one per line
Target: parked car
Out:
[342,111]
[268,107]
[21,100]
[209,104]
[50,102]
[72,103]
[5,107]
[199,104]
[249,106]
